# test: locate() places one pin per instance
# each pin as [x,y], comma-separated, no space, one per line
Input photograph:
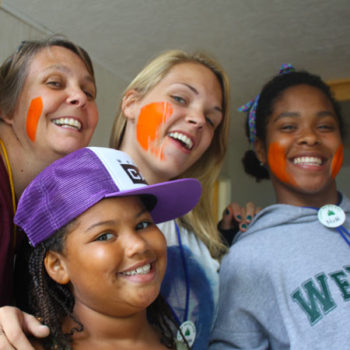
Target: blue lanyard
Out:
[344,233]
[187,280]
[340,229]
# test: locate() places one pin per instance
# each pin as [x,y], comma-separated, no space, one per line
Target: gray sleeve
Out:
[246,304]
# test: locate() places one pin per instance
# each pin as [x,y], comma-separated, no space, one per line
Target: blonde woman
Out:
[173,122]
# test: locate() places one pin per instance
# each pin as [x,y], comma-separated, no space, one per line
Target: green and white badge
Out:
[188,329]
[331,215]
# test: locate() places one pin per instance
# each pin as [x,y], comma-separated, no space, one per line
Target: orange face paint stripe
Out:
[34,112]
[278,163]
[148,128]
[337,161]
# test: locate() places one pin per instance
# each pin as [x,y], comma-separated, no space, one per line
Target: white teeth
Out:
[308,161]
[70,122]
[183,138]
[142,270]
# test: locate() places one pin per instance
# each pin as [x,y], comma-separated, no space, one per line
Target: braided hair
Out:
[51,302]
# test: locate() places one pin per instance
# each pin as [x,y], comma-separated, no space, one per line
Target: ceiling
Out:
[251,38]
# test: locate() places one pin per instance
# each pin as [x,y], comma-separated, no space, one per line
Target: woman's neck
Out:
[24,163]
[316,200]
[107,332]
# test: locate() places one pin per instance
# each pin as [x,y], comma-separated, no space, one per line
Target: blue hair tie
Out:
[252,105]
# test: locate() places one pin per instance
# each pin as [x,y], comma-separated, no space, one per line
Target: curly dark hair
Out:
[270,93]
[52,302]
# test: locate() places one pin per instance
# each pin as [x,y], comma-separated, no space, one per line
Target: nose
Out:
[309,136]
[135,244]
[196,117]
[76,96]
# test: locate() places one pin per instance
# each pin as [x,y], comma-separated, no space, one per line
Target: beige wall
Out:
[109,88]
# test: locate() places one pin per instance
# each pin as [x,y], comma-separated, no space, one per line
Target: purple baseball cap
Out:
[76,182]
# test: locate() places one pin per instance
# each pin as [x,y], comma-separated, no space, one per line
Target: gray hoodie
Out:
[285,284]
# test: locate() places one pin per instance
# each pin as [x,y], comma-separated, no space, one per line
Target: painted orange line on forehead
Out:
[337,161]
[278,163]
[34,112]
[150,121]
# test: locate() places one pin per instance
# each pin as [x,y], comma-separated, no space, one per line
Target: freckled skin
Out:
[277,163]
[337,161]
[34,112]
[152,117]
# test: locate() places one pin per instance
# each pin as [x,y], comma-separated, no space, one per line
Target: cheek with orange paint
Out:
[278,163]
[337,161]
[149,125]
[34,112]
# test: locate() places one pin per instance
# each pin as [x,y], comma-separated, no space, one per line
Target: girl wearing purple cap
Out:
[98,258]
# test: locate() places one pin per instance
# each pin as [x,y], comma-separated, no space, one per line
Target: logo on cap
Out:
[133,174]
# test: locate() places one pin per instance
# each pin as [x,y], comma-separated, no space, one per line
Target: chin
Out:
[147,298]
[68,147]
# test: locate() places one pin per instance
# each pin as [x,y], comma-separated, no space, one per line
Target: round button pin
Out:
[331,215]
[188,330]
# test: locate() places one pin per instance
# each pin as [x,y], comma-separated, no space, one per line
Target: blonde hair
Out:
[207,168]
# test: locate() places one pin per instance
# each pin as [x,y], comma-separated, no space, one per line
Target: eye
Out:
[54,83]
[178,99]
[327,127]
[90,91]
[288,127]
[144,224]
[105,236]
[210,121]
[90,94]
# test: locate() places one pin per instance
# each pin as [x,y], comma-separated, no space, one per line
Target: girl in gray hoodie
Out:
[285,284]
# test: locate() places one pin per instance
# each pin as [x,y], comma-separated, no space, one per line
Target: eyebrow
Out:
[113,222]
[65,70]
[297,115]
[219,109]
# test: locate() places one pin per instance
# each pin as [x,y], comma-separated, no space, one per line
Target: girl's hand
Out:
[235,215]
[14,325]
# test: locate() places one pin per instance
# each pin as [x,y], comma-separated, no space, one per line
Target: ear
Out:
[56,268]
[260,151]
[129,104]
[5,118]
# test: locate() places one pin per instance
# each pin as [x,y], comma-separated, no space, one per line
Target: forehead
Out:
[56,56]
[194,75]
[303,96]
[191,71]
[114,208]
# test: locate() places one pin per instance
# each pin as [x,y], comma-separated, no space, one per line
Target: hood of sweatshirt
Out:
[284,215]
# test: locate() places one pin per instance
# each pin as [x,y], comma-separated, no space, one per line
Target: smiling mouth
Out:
[68,123]
[315,161]
[183,139]
[142,270]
